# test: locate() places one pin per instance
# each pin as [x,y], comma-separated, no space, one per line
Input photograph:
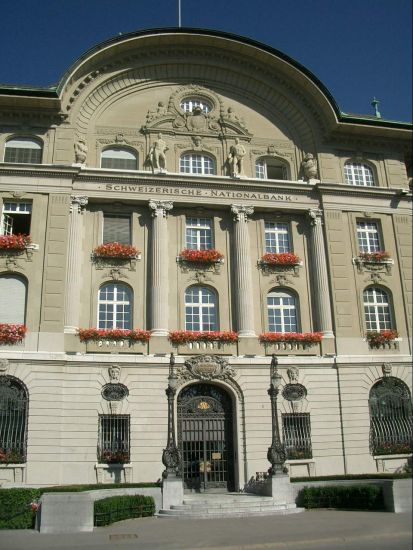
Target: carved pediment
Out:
[206,367]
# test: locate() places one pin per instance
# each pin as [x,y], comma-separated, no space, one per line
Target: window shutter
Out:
[116,229]
[12,300]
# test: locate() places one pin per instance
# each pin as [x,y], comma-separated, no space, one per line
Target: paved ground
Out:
[321,529]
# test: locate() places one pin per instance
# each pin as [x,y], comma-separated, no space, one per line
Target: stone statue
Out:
[80,151]
[114,373]
[309,166]
[236,159]
[161,110]
[157,154]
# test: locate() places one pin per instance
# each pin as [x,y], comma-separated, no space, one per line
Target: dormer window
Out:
[359,174]
[23,150]
[270,168]
[189,103]
[119,158]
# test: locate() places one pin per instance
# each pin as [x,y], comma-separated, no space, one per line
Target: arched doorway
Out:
[205,438]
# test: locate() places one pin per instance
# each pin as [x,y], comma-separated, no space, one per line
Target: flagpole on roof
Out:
[179,13]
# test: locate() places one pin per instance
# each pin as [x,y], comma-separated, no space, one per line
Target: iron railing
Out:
[13,421]
[114,438]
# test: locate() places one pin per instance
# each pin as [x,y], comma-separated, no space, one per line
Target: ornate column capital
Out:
[77,203]
[316,216]
[160,208]
[241,212]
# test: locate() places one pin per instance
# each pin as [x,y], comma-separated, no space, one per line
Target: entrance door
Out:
[205,438]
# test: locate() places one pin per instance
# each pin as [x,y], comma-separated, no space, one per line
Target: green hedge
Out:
[94,487]
[111,509]
[356,497]
[15,511]
[407,475]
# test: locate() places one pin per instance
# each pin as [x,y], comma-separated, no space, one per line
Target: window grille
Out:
[13,420]
[277,238]
[359,174]
[16,218]
[200,309]
[196,164]
[391,421]
[271,169]
[377,310]
[296,430]
[114,438]
[116,229]
[282,312]
[368,236]
[115,306]
[199,233]
[23,150]
[188,104]
[119,158]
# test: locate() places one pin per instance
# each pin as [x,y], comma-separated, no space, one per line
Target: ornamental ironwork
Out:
[114,392]
[294,392]
[13,420]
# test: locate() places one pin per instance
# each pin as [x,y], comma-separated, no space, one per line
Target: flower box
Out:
[392,449]
[14,242]
[11,334]
[378,339]
[180,337]
[11,457]
[96,334]
[374,257]
[114,457]
[209,256]
[115,250]
[305,338]
[280,259]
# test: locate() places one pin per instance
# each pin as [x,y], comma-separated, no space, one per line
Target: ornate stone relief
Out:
[294,392]
[114,373]
[114,391]
[4,366]
[386,369]
[292,374]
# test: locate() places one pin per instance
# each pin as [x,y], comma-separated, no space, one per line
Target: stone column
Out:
[320,275]
[243,275]
[159,271]
[74,264]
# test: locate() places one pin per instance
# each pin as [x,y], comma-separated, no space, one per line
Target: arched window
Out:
[270,168]
[200,309]
[119,158]
[391,419]
[282,311]
[115,306]
[13,290]
[377,310]
[188,104]
[23,150]
[356,173]
[13,420]
[196,164]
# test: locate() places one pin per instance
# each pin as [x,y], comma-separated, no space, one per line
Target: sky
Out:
[358,48]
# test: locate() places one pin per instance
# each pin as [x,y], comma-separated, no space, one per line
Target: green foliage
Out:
[15,510]
[355,497]
[95,487]
[111,509]
[402,475]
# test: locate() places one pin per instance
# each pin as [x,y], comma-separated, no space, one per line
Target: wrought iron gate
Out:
[205,438]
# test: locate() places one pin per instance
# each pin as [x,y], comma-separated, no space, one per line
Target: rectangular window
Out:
[199,233]
[114,438]
[116,229]
[277,237]
[368,236]
[16,218]
[297,435]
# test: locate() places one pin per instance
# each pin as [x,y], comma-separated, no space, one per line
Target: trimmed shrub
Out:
[402,475]
[94,487]
[355,497]
[111,509]
[15,509]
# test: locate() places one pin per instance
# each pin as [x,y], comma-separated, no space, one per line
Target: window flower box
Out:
[178,337]
[14,243]
[116,251]
[392,449]
[375,257]
[378,339]
[11,457]
[114,457]
[95,334]
[11,334]
[280,259]
[203,257]
[296,343]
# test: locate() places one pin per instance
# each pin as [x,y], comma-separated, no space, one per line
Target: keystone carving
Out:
[206,367]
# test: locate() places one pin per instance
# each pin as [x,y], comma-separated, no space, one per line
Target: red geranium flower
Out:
[306,338]
[14,242]
[374,257]
[283,258]
[376,339]
[115,250]
[186,336]
[11,334]
[209,256]
[94,334]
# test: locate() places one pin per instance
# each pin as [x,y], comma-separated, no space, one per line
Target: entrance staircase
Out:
[227,505]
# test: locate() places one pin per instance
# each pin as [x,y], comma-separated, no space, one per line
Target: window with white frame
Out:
[14,403]
[23,150]
[200,309]
[189,103]
[270,168]
[13,292]
[116,229]
[368,236]
[377,310]
[356,173]
[114,438]
[282,311]
[16,218]
[277,237]
[296,431]
[115,306]
[196,164]
[119,158]
[199,233]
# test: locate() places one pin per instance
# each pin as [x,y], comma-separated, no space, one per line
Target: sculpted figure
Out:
[157,154]
[236,159]
[160,111]
[309,166]
[80,151]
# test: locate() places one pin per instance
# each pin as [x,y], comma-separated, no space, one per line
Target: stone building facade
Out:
[244,204]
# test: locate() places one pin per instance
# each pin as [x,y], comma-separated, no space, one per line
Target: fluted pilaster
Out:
[320,275]
[159,272]
[74,264]
[243,275]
